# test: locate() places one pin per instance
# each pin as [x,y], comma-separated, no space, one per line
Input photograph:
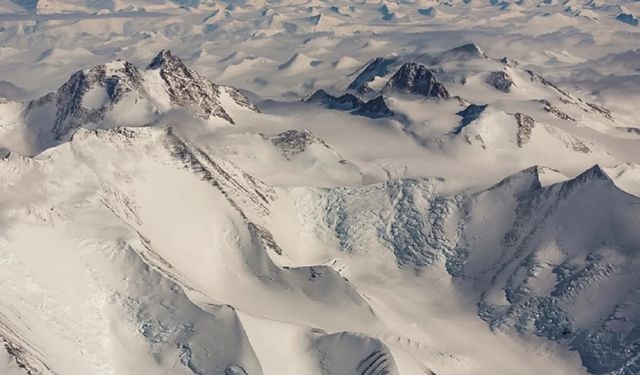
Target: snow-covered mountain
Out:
[119,94]
[428,187]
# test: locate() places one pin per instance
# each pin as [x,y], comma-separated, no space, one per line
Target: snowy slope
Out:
[138,277]
[369,187]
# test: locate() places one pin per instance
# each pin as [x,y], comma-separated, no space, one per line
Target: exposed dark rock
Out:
[186,88]
[555,111]
[525,126]
[379,67]
[509,62]
[601,110]
[501,80]
[343,102]
[534,77]
[628,18]
[117,78]
[631,130]
[375,108]
[416,79]
[469,114]
[293,142]
[109,84]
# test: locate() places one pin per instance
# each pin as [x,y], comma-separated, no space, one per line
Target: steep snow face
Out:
[120,312]
[521,247]
[379,67]
[465,52]
[171,314]
[354,354]
[170,276]
[626,177]
[560,254]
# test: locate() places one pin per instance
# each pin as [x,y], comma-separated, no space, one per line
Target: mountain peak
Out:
[378,67]
[594,173]
[84,99]
[461,53]
[416,79]
[524,180]
[375,108]
[164,60]
[187,88]
[345,101]
[100,97]
[470,48]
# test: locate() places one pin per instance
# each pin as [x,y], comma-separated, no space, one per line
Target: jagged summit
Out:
[344,102]
[409,77]
[117,77]
[166,60]
[378,67]
[418,80]
[83,100]
[375,108]
[117,93]
[532,179]
[187,88]
[595,173]
[526,179]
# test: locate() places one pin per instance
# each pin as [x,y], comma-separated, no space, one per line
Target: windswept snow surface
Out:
[193,187]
